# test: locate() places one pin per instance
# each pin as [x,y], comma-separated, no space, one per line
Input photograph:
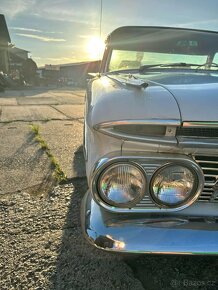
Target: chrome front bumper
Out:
[145,233]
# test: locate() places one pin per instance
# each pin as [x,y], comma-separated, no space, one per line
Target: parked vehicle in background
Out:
[151,143]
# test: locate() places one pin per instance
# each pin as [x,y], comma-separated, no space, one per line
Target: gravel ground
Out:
[42,247]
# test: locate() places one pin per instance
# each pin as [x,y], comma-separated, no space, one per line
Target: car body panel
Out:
[148,235]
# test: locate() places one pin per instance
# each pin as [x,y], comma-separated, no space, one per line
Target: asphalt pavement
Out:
[41,242]
[59,117]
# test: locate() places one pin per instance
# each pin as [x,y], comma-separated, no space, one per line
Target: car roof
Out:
[132,28]
[164,39]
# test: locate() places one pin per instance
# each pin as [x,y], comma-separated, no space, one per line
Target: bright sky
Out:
[66,31]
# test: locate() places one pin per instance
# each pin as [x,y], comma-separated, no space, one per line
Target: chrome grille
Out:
[197,132]
[209,165]
[146,202]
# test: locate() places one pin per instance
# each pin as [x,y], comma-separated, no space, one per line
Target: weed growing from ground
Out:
[58,172]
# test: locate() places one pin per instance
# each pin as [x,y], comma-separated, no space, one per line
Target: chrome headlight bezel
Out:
[153,160]
[195,192]
[126,205]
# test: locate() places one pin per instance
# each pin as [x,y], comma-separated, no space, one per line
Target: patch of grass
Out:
[42,142]
[35,129]
[58,172]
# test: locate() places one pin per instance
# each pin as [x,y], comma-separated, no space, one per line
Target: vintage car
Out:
[151,143]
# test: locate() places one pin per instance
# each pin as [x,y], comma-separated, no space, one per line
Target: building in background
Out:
[14,61]
[17,57]
[74,74]
[5,41]
[77,72]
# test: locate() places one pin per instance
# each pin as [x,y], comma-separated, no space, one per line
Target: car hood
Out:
[114,99]
[195,93]
[168,96]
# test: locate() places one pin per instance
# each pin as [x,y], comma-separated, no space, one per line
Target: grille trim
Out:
[210,191]
[197,132]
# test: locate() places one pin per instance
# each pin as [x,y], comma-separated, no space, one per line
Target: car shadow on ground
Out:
[79,265]
[175,272]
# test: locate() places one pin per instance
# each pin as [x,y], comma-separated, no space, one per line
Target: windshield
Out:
[122,59]
[153,47]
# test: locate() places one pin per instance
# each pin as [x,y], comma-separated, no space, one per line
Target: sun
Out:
[95,47]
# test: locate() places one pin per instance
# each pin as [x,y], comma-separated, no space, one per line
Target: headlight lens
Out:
[122,184]
[173,185]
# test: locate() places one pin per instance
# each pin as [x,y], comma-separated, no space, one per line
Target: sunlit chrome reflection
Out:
[119,245]
[109,242]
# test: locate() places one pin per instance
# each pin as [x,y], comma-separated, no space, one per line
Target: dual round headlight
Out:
[173,185]
[125,184]
[122,184]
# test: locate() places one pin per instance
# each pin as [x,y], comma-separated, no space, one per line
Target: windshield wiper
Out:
[207,65]
[175,64]
[123,71]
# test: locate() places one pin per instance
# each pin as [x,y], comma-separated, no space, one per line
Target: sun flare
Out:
[95,47]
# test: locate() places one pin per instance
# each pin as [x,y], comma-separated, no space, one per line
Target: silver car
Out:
[151,143]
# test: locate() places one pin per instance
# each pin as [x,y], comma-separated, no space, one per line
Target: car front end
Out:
[151,151]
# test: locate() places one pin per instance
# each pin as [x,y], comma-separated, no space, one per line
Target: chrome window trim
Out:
[103,163]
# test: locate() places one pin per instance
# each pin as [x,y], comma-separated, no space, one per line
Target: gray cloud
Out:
[42,38]
[25,29]
[13,7]
[34,30]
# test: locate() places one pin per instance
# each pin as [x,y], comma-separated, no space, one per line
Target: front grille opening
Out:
[197,132]
[141,130]
[209,165]
[210,179]
[210,172]
[206,158]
